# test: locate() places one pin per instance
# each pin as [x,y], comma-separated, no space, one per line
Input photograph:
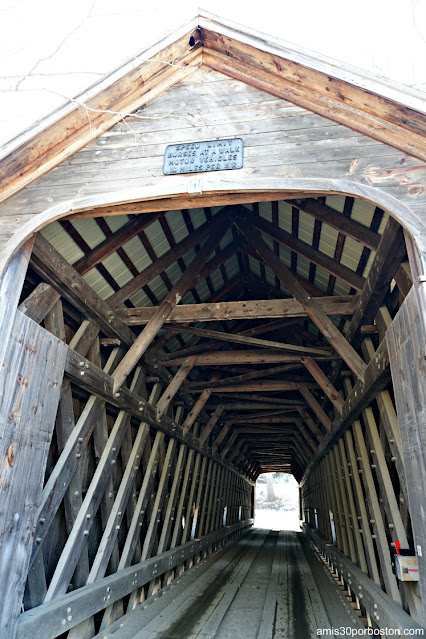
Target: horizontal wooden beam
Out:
[276,419]
[179,202]
[265,372]
[250,341]
[249,309]
[259,386]
[230,358]
[242,406]
[47,620]
[261,399]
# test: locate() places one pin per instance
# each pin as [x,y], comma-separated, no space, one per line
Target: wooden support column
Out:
[65,423]
[56,486]
[177,529]
[338,523]
[187,281]
[354,525]
[199,483]
[382,544]
[205,495]
[389,421]
[343,504]
[86,515]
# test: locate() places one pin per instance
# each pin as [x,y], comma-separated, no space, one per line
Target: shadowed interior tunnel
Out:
[284,309]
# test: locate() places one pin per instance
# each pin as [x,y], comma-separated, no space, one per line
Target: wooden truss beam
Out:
[67,282]
[314,311]
[114,242]
[266,372]
[329,264]
[230,358]
[160,265]
[249,309]
[250,341]
[387,260]
[260,385]
[101,384]
[187,281]
[377,376]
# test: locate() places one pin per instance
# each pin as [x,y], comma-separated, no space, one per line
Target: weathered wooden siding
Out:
[282,141]
[30,385]
[406,339]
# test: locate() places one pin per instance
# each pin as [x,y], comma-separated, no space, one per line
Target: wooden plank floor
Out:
[266,585]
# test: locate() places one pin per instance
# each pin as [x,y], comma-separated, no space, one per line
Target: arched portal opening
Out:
[270,356]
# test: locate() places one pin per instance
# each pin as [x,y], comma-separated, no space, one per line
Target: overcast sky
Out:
[52,49]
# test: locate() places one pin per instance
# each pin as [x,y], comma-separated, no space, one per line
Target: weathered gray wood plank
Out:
[30,380]
[406,343]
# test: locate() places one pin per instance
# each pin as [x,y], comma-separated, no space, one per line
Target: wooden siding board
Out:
[406,343]
[30,382]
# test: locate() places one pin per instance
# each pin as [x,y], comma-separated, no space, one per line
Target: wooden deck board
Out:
[267,585]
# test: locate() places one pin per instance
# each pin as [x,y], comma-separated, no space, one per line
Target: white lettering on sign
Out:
[196,157]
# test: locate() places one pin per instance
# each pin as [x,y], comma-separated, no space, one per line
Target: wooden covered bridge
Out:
[170,331]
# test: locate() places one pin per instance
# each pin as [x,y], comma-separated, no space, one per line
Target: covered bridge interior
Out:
[162,351]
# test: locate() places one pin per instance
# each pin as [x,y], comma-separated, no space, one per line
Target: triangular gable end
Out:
[341,94]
